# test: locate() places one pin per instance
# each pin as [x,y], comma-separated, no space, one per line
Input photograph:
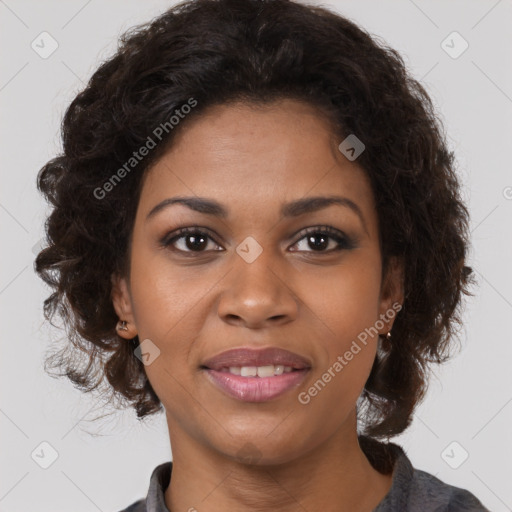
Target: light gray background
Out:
[106,465]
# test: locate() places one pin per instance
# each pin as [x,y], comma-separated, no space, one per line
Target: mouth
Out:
[256,375]
[270,370]
[255,388]
[246,359]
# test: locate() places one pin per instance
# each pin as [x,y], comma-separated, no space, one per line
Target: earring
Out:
[121,325]
[388,336]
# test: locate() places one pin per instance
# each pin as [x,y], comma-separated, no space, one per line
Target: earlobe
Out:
[121,300]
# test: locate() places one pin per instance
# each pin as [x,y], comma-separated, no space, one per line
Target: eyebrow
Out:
[292,209]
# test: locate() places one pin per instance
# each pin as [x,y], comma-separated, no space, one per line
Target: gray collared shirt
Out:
[412,490]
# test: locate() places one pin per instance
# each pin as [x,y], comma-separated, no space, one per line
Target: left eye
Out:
[318,239]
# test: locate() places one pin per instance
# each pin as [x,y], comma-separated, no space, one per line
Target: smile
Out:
[253,384]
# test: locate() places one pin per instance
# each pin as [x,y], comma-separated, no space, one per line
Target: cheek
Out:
[164,296]
[345,310]
[167,305]
[348,311]
[347,301]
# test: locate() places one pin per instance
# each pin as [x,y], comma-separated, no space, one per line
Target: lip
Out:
[256,357]
[255,389]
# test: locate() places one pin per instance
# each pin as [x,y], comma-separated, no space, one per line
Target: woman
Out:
[257,228]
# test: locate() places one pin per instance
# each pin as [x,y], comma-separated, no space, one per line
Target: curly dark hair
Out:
[259,51]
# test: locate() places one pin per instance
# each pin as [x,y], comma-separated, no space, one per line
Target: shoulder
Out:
[441,497]
[138,506]
[154,501]
[413,490]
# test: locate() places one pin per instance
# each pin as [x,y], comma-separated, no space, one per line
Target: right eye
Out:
[193,240]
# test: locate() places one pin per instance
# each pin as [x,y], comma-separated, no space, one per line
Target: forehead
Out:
[246,156]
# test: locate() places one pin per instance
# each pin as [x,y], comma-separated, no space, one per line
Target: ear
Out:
[392,293]
[121,300]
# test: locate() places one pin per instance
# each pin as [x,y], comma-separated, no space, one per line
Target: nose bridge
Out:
[256,266]
[255,269]
[255,291]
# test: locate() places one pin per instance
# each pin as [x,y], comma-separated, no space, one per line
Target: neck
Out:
[335,476]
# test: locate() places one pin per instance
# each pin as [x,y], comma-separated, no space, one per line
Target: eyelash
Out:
[344,242]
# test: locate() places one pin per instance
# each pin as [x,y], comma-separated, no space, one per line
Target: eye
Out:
[196,240]
[191,239]
[318,239]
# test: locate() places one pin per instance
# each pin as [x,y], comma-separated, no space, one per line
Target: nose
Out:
[257,294]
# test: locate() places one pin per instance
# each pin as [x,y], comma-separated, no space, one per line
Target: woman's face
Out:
[308,294]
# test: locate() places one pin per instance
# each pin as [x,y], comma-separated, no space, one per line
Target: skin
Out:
[312,302]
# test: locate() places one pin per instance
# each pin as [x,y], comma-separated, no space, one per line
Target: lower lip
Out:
[256,389]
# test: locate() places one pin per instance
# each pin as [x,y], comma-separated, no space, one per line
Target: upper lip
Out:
[256,357]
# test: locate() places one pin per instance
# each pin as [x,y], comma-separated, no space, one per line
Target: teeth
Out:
[259,371]
[248,371]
